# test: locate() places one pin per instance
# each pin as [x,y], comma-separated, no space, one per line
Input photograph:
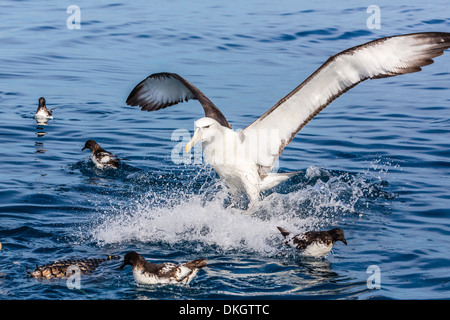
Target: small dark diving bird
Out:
[42,113]
[145,272]
[245,159]
[100,157]
[65,268]
[314,243]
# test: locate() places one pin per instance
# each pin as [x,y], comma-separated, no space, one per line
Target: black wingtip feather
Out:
[283,231]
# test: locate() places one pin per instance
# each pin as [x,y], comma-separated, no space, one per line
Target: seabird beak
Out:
[344,241]
[122,266]
[195,138]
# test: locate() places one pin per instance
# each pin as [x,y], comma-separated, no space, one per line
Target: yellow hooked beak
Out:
[195,138]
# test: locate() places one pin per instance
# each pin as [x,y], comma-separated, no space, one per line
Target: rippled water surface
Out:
[375,162]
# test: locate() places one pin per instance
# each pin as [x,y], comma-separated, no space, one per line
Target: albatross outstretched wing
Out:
[162,90]
[385,57]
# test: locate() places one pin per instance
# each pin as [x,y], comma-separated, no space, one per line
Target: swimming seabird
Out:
[65,268]
[100,157]
[42,113]
[314,243]
[145,272]
[245,159]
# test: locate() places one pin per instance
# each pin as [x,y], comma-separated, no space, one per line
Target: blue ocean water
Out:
[375,162]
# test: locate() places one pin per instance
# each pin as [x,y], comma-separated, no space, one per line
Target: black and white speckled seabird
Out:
[62,268]
[42,113]
[314,243]
[100,156]
[145,272]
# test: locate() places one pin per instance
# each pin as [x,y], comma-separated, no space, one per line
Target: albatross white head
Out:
[206,130]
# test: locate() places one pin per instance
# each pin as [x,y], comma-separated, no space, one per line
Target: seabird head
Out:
[337,234]
[205,128]
[91,145]
[42,103]
[131,258]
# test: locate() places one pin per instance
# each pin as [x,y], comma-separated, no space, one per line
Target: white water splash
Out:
[210,224]
[192,219]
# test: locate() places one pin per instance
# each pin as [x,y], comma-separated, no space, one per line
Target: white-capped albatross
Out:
[244,159]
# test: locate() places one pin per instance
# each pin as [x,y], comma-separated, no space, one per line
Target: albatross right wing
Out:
[385,57]
[162,90]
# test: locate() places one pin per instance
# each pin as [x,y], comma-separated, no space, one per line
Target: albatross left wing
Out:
[385,57]
[162,90]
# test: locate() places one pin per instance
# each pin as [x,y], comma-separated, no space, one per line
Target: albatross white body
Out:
[235,156]
[245,160]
